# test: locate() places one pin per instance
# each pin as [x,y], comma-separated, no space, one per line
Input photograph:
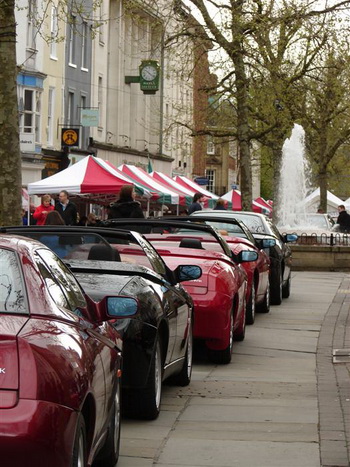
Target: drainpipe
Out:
[161,92]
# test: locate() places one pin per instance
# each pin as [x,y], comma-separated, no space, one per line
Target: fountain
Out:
[293,184]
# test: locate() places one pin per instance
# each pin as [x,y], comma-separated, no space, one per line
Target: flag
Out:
[149,167]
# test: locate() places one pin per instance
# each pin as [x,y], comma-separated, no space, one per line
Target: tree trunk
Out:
[322,179]
[243,130]
[10,156]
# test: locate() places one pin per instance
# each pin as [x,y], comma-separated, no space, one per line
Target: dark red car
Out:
[60,363]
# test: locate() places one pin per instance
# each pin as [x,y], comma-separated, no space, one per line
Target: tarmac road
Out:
[281,402]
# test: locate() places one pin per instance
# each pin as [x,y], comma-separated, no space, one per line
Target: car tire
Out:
[250,313]
[286,288]
[224,356]
[144,403]
[79,447]
[276,288]
[184,377]
[264,307]
[109,454]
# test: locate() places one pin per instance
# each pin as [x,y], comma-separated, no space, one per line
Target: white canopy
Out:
[312,201]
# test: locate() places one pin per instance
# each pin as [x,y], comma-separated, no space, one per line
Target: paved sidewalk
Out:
[333,381]
[281,402]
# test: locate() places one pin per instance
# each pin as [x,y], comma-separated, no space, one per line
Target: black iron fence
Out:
[331,239]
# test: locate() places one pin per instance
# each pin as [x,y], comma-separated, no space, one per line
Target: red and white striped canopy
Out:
[89,175]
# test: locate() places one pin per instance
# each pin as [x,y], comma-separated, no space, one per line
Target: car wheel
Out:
[184,377]
[276,288]
[250,316]
[264,307]
[239,335]
[224,356]
[286,287]
[109,454]
[151,395]
[79,448]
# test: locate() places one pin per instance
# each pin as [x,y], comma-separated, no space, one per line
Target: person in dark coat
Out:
[126,206]
[66,208]
[220,205]
[196,203]
[343,219]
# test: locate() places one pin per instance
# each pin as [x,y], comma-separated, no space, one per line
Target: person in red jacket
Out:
[42,211]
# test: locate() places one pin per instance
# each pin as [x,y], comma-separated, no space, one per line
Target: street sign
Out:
[201,180]
[70,137]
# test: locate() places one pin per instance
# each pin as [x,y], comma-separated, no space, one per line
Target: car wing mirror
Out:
[121,307]
[288,238]
[115,307]
[245,256]
[267,243]
[187,273]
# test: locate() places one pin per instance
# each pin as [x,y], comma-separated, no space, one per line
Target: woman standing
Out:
[42,211]
[126,206]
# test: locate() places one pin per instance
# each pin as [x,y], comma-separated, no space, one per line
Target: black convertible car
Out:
[157,341]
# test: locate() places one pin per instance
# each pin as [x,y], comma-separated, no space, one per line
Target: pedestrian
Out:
[54,218]
[126,206]
[43,209]
[66,208]
[198,198]
[220,205]
[24,215]
[343,219]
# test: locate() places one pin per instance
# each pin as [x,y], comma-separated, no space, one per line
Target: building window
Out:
[70,109]
[31,30]
[50,116]
[72,40]
[84,46]
[30,118]
[101,26]
[100,100]
[210,146]
[82,129]
[210,175]
[53,33]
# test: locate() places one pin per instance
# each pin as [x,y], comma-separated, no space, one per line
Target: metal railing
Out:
[331,239]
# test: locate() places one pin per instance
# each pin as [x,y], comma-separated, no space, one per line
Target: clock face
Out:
[149,73]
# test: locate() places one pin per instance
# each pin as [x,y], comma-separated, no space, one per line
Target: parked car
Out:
[60,362]
[157,341]
[220,294]
[261,227]
[238,237]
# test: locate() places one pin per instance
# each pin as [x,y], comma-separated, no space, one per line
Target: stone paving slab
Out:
[281,402]
[221,453]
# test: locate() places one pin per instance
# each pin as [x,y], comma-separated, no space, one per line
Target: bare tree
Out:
[274,42]
[10,157]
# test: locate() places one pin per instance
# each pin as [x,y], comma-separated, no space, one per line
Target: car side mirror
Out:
[245,256]
[187,273]
[121,307]
[267,243]
[288,238]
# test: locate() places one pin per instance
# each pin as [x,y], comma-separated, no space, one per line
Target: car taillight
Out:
[8,398]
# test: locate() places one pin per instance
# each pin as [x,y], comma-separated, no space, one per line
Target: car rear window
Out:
[12,291]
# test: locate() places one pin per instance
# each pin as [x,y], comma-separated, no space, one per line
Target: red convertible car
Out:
[219,295]
[60,363]
[239,238]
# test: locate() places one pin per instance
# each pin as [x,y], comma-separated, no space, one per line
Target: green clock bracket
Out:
[132,79]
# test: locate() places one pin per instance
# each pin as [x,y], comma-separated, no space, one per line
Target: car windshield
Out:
[12,295]
[254,223]
[183,237]
[90,246]
[320,221]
